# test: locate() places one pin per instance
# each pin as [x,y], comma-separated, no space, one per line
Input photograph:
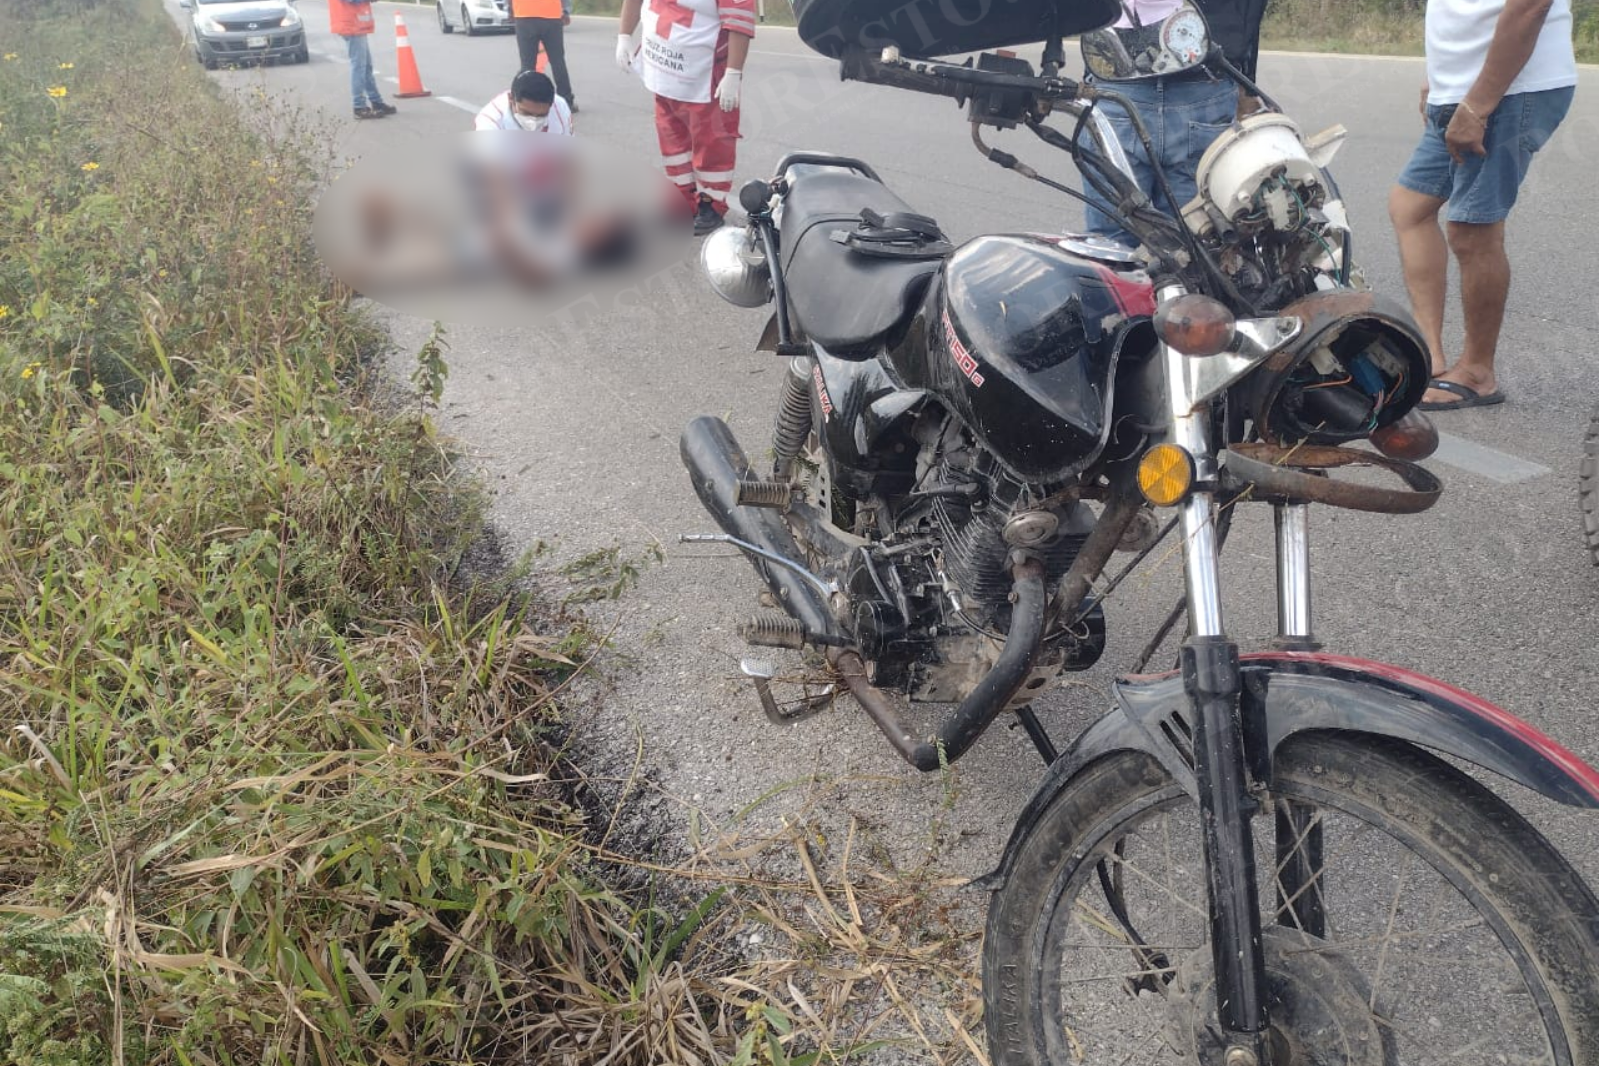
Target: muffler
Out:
[716,465]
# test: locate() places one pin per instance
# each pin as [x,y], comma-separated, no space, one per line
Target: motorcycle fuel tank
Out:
[1018,337]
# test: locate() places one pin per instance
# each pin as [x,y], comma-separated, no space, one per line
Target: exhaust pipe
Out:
[716,465]
[979,709]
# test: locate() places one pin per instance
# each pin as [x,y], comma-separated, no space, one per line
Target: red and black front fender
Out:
[1285,693]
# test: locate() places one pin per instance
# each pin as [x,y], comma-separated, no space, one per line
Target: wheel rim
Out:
[1442,986]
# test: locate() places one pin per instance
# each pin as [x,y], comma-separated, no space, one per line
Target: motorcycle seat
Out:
[839,296]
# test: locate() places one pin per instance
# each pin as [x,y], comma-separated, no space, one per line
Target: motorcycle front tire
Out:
[1386,808]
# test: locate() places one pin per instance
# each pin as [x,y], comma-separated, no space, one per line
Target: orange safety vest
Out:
[353,19]
[536,9]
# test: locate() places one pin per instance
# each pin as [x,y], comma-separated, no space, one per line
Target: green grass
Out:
[277,778]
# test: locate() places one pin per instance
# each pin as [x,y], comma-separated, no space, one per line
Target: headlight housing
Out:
[1359,364]
[736,267]
[207,24]
[292,18]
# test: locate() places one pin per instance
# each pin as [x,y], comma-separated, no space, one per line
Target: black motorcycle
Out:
[1253,858]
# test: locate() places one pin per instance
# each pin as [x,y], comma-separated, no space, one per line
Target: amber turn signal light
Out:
[1412,437]
[1196,325]
[1165,474]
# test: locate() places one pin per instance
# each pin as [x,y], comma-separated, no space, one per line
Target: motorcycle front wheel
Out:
[1442,927]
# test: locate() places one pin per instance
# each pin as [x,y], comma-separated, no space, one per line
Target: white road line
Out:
[453,102]
[1484,461]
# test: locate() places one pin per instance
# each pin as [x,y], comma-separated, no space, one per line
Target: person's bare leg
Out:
[1424,255]
[1484,289]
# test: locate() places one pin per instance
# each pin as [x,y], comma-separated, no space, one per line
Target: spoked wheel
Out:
[1588,488]
[1442,928]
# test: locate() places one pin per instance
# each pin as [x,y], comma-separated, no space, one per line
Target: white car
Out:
[235,31]
[475,16]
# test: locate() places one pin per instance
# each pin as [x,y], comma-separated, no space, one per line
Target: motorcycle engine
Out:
[933,615]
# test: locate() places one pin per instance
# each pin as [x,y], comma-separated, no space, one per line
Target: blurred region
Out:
[498,227]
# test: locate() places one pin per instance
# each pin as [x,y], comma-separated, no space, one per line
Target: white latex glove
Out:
[727,92]
[624,52]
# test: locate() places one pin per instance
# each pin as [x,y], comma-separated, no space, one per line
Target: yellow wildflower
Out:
[90,166]
[160,273]
[5,312]
[57,91]
[30,370]
[9,56]
[64,66]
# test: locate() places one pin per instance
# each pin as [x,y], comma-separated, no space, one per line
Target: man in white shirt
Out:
[529,104]
[1500,78]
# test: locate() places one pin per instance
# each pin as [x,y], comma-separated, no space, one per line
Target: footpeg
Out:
[762,672]
[774,631]
[773,494]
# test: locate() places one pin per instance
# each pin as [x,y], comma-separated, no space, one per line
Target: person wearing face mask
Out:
[529,104]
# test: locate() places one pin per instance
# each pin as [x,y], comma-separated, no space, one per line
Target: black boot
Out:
[706,219]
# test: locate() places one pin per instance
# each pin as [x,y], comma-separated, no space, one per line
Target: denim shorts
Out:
[1483,189]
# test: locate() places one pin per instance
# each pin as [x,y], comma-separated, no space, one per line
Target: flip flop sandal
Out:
[1469,397]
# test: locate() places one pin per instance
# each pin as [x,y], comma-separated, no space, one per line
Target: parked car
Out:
[475,16]
[246,31]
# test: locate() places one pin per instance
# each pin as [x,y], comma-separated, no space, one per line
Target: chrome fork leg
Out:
[1212,681]
[1293,576]
[1211,677]
[1299,842]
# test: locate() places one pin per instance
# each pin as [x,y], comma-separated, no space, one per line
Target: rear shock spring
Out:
[793,419]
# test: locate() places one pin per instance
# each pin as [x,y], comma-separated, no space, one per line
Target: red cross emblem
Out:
[669,13]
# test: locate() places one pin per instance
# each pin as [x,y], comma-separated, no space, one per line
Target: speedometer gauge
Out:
[1183,36]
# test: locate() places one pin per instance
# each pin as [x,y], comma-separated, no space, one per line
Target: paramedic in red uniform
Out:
[693,61]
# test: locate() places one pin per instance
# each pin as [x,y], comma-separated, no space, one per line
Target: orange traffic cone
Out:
[410,80]
[543,60]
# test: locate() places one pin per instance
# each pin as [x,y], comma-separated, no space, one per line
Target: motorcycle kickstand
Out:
[1035,732]
[761,673]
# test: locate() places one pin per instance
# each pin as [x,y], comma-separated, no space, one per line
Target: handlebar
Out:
[948,79]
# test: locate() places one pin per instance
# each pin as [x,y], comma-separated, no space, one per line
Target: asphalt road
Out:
[577,429]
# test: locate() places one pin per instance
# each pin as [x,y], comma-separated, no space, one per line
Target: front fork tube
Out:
[1212,681]
[1298,829]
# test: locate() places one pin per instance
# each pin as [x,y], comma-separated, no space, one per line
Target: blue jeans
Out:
[1183,117]
[1483,189]
[363,86]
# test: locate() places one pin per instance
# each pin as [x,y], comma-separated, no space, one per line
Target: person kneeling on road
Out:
[529,104]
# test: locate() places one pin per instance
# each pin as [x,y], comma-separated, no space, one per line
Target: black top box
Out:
[922,29]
